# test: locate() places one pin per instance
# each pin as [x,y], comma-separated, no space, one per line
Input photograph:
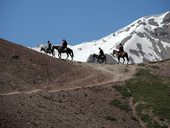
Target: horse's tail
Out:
[72,54]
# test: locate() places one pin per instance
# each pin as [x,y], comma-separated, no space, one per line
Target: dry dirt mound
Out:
[40,91]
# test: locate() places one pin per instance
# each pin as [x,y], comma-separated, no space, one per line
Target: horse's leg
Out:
[118,60]
[53,51]
[127,58]
[104,60]
[71,55]
[97,60]
[67,56]
[59,55]
[123,60]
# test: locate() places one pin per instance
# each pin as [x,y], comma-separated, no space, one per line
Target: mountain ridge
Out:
[146,39]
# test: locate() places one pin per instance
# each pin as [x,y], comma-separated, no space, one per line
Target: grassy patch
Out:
[153,90]
[141,112]
[123,90]
[120,105]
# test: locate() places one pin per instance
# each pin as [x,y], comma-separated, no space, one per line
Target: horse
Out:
[46,50]
[121,55]
[103,58]
[68,51]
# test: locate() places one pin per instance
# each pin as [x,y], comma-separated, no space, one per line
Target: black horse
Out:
[121,55]
[68,51]
[102,58]
[48,51]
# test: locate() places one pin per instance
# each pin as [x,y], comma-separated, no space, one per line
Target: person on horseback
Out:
[101,53]
[64,45]
[121,49]
[49,48]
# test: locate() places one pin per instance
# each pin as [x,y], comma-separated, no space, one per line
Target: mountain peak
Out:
[166,19]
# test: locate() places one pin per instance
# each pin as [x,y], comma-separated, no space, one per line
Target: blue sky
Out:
[32,22]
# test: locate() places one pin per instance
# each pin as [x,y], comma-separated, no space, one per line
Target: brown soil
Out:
[44,92]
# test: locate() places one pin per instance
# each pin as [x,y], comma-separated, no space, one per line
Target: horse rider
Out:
[64,45]
[121,49]
[49,48]
[101,53]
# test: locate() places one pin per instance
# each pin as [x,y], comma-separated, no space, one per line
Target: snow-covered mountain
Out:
[146,39]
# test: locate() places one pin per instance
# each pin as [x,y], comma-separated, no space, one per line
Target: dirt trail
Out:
[118,73]
[134,113]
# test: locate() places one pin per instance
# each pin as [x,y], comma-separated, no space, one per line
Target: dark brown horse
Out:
[121,55]
[68,51]
[102,58]
[46,50]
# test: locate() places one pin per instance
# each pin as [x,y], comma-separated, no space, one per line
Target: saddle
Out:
[101,56]
[63,49]
[121,53]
